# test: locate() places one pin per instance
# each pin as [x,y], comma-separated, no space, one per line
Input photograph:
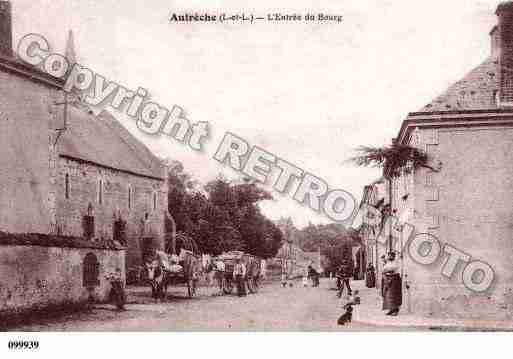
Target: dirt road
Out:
[273,308]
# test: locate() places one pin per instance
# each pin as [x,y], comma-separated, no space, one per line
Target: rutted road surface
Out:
[272,308]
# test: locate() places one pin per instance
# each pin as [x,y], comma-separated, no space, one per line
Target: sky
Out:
[309,93]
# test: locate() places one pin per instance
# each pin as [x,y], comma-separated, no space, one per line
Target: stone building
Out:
[65,172]
[466,202]
[374,195]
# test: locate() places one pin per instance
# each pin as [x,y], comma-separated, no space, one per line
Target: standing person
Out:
[263,269]
[314,276]
[219,273]
[305,278]
[370,276]
[239,274]
[345,274]
[392,286]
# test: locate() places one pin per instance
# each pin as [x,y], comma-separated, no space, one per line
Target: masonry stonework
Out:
[467,205]
[37,277]
[148,198]
[26,116]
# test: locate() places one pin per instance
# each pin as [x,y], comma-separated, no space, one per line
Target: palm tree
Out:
[394,159]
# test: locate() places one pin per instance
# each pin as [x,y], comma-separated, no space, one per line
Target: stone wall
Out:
[27,111]
[83,190]
[36,276]
[468,205]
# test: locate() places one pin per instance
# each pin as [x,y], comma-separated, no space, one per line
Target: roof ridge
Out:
[475,91]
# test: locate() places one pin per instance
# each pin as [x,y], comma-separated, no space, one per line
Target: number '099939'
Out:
[23,345]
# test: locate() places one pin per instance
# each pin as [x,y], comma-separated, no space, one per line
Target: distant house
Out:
[376,196]
[467,204]
[66,172]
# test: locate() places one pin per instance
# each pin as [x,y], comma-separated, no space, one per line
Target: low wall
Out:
[38,271]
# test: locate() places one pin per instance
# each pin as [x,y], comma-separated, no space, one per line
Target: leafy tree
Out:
[335,241]
[222,216]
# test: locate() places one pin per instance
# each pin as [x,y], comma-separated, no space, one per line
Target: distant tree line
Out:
[222,215]
[335,240]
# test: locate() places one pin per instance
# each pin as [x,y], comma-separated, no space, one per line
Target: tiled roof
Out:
[103,140]
[476,91]
[21,68]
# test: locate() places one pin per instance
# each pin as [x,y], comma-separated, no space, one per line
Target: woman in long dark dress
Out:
[392,286]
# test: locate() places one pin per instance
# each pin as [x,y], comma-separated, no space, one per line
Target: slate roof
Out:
[476,91]
[103,140]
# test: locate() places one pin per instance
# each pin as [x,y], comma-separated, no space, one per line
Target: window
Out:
[100,191]
[119,234]
[154,201]
[88,223]
[66,186]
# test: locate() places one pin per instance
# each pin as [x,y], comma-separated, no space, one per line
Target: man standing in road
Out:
[239,273]
[345,272]
[219,269]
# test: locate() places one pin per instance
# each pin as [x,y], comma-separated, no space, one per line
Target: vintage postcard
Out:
[235,166]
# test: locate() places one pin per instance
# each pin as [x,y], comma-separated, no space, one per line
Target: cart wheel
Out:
[228,287]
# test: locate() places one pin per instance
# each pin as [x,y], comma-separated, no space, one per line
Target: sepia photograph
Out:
[219,168]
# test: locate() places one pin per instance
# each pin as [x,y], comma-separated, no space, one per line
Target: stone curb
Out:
[408,321]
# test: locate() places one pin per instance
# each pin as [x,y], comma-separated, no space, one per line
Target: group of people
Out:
[217,270]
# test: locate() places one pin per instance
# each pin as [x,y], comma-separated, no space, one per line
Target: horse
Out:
[214,275]
[160,279]
[253,273]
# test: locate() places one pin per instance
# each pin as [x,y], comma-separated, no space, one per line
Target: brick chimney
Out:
[5,29]
[495,41]
[505,47]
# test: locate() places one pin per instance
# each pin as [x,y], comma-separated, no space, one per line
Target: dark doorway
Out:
[91,275]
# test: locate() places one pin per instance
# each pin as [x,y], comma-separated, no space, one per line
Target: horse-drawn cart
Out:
[253,270]
[166,268]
